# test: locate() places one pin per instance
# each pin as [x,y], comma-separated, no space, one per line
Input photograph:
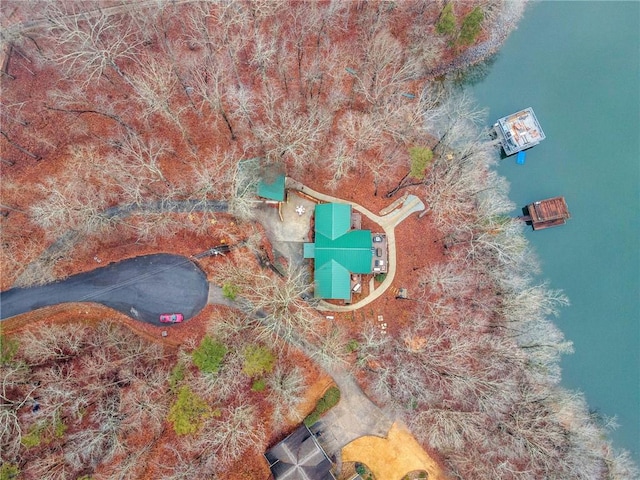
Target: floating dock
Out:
[519,131]
[547,213]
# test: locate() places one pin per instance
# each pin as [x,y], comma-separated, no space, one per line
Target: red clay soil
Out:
[418,247]
[418,243]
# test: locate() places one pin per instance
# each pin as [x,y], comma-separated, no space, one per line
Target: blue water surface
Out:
[578,65]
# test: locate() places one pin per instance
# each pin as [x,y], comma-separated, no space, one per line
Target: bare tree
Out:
[226,439]
[17,251]
[242,102]
[290,133]
[213,178]
[48,467]
[330,351]
[145,155]
[51,344]
[264,51]
[90,44]
[74,205]
[621,465]
[282,314]
[342,162]
[145,405]
[425,48]
[224,384]
[15,376]
[92,446]
[179,465]
[155,84]
[76,199]
[286,393]
[385,68]
[371,345]
[209,85]
[526,319]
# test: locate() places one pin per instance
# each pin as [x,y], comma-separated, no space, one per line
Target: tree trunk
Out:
[403,183]
[113,117]
[19,147]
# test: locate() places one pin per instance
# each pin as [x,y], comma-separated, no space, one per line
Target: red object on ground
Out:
[171,318]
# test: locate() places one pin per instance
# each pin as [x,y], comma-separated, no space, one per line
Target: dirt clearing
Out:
[393,457]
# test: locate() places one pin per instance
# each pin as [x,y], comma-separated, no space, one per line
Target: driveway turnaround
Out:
[142,287]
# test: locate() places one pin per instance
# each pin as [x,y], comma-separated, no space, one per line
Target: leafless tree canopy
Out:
[96,388]
[477,374]
[159,101]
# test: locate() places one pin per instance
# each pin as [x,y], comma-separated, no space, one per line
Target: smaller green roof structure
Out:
[272,188]
[255,177]
[338,251]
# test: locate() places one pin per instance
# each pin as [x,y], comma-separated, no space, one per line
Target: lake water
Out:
[578,65]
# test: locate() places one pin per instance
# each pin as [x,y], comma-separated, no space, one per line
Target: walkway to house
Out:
[353,417]
[388,222]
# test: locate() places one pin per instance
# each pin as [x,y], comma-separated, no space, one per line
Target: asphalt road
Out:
[142,287]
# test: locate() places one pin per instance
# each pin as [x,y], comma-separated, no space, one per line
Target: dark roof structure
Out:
[299,457]
[548,213]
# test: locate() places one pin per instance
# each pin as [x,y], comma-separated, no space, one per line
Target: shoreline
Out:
[504,25]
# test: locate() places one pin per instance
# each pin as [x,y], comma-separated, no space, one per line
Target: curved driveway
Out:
[142,288]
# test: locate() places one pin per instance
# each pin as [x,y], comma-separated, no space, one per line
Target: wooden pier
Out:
[551,212]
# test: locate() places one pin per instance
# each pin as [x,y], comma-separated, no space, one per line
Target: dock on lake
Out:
[547,213]
[518,131]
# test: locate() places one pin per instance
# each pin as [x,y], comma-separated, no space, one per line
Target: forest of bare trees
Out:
[75,397]
[163,102]
[477,373]
[147,102]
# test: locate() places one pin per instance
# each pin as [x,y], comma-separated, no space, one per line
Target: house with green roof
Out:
[338,251]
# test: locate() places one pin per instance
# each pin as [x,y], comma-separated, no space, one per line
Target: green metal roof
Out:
[332,281]
[338,251]
[333,219]
[309,250]
[352,250]
[272,189]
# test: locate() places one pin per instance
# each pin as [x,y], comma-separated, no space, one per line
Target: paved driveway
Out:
[353,417]
[287,235]
[141,287]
